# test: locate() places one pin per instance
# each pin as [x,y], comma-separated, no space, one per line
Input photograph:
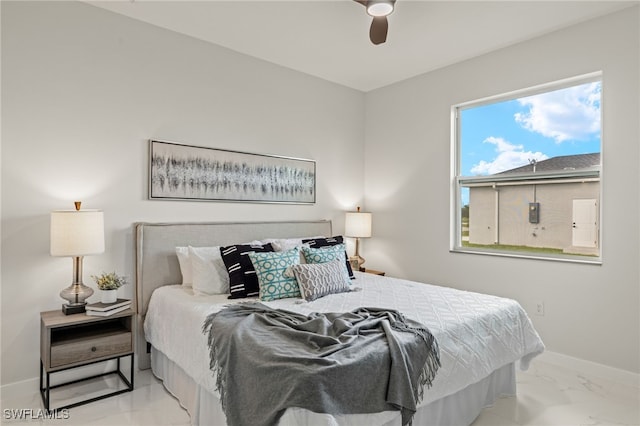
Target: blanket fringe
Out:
[432,363]
[214,363]
[430,367]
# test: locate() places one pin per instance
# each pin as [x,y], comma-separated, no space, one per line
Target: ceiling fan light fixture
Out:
[379,8]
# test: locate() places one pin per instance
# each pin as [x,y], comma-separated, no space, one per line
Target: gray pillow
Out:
[321,279]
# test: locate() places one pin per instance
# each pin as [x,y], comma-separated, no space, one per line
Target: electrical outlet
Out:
[540,309]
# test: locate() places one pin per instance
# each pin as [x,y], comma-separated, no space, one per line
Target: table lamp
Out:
[76,233]
[357,225]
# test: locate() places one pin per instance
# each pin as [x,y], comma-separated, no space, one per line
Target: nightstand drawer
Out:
[70,352]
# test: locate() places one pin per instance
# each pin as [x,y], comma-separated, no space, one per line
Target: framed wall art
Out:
[185,172]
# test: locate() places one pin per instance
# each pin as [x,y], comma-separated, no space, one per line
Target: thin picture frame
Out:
[195,173]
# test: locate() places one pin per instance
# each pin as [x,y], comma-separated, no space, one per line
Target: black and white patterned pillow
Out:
[243,281]
[332,241]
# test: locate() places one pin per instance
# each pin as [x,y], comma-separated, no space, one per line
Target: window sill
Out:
[533,256]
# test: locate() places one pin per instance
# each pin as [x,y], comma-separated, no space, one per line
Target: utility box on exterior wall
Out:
[534,212]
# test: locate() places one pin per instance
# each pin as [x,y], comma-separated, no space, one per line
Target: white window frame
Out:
[457,181]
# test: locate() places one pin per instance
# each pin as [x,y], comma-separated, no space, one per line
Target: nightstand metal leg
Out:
[48,391]
[132,372]
[129,381]
[44,390]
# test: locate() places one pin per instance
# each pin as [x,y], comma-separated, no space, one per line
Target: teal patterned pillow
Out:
[325,255]
[270,268]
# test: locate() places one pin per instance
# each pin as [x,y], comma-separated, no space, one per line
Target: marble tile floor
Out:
[547,395]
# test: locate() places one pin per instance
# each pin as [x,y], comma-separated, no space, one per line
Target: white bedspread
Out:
[476,333]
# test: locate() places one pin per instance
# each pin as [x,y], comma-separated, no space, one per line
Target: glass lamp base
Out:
[75,294]
[356,263]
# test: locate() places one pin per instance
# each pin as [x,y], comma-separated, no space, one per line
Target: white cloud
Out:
[509,157]
[567,114]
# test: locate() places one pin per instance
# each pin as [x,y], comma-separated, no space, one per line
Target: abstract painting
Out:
[185,172]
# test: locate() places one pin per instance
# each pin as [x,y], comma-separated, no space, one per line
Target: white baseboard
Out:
[21,389]
[602,371]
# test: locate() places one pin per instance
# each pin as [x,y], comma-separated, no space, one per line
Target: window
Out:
[527,172]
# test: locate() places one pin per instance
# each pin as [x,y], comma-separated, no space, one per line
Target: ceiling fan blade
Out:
[362,2]
[378,30]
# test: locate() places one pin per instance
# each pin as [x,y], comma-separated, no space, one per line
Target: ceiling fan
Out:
[379,10]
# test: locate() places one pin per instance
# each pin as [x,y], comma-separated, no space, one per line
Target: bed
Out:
[482,338]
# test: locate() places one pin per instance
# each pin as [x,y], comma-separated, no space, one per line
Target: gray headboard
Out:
[157,263]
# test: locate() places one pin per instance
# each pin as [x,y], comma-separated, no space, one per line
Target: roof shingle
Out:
[563,162]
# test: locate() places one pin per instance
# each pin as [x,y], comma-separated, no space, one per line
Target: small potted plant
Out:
[108,284]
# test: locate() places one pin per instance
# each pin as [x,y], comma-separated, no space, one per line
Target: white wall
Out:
[82,91]
[591,312]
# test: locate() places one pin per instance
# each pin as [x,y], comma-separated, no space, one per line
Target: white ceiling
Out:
[330,39]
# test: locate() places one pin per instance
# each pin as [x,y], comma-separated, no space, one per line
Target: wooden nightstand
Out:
[70,341]
[372,271]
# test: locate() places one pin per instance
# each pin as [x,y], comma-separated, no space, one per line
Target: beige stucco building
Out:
[554,203]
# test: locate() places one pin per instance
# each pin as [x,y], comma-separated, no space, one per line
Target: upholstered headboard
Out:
[157,263]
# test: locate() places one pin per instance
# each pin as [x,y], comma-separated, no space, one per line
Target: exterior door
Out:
[585,223]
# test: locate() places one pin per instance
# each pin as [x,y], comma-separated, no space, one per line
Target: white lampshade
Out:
[77,232]
[357,224]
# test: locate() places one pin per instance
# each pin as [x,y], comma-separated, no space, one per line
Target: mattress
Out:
[477,333]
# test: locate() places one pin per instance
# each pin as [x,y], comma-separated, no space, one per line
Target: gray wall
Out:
[591,312]
[82,91]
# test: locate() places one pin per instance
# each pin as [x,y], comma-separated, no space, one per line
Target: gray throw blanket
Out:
[365,361]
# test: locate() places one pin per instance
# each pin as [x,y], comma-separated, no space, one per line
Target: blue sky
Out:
[505,135]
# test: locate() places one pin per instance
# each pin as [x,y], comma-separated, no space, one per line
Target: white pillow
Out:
[185,262]
[185,265]
[286,244]
[209,273]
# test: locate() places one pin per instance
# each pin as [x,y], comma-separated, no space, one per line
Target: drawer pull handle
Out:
[93,349]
